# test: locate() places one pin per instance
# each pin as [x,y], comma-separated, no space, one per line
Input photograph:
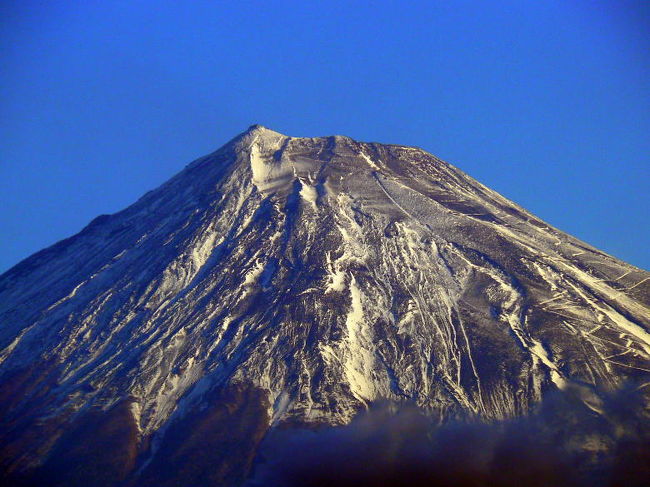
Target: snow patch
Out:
[309,194]
[359,359]
[280,407]
[253,274]
[370,162]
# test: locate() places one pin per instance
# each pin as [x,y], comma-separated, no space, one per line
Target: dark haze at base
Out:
[563,443]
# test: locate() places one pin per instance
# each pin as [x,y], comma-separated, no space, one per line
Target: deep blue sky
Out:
[546,102]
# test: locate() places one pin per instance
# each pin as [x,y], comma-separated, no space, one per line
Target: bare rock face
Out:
[294,281]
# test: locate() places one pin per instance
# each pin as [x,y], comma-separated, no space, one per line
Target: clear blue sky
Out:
[547,102]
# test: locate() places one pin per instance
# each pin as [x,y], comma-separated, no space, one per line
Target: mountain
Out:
[283,283]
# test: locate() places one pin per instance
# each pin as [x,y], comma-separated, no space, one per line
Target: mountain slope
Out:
[294,281]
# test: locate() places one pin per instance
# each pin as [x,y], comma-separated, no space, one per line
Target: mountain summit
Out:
[285,282]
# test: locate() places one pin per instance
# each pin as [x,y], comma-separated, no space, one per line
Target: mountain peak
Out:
[258,129]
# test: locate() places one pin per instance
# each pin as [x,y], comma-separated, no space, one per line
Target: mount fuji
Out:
[282,283]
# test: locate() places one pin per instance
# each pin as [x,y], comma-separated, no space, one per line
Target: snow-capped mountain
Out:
[285,281]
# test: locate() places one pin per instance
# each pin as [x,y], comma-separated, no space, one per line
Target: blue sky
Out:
[546,102]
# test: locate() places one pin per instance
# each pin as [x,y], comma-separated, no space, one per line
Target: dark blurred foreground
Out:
[564,443]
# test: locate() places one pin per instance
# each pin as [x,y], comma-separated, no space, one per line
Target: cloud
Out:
[564,443]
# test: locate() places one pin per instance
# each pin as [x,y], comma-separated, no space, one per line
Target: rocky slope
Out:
[294,281]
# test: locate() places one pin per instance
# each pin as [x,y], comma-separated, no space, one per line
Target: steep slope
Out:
[286,280]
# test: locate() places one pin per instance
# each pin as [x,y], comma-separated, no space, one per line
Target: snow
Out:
[336,277]
[254,273]
[359,359]
[370,162]
[309,194]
